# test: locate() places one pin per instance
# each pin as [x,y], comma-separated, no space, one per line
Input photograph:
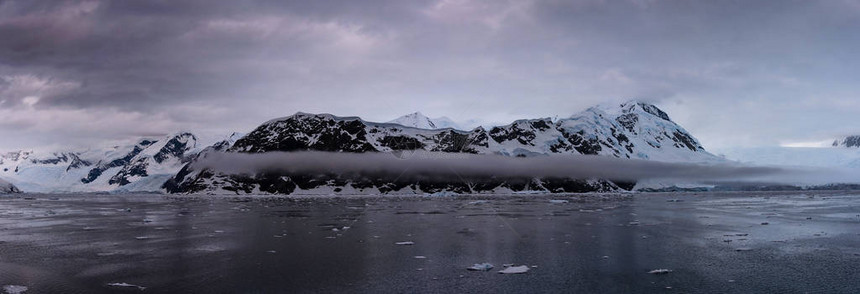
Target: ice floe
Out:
[480,267]
[520,269]
[126,285]
[14,289]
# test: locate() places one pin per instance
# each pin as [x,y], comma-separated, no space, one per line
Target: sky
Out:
[733,73]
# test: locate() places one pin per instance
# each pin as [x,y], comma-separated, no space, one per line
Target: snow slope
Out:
[418,120]
[795,156]
[146,164]
[627,130]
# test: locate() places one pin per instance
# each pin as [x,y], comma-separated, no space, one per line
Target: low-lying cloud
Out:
[464,166]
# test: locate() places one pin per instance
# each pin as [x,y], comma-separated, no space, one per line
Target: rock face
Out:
[8,188]
[848,142]
[142,166]
[629,130]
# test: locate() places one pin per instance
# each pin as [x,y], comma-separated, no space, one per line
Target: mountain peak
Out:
[630,106]
[419,120]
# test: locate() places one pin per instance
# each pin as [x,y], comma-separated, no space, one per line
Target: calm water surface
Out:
[712,242]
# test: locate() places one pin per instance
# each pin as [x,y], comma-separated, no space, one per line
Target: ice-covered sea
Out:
[685,242]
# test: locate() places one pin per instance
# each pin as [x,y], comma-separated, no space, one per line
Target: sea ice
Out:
[520,269]
[127,285]
[405,243]
[480,267]
[558,201]
[661,271]
[14,289]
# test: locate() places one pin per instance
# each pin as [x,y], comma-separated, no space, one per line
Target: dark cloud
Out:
[763,63]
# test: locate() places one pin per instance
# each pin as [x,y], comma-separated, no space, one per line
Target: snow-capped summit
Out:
[848,142]
[628,130]
[418,120]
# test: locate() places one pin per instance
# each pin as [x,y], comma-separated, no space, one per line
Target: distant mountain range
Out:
[628,130]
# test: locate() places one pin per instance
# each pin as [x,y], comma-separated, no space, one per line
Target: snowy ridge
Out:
[628,130]
[140,166]
[418,120]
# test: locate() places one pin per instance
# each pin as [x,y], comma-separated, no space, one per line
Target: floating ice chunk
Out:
[142,238]
[420,257]
[660,271]
[476,202]
[520,269]
[405,243]
[271,251]
[126,285]
[480,267]
[14,289]
[558,201]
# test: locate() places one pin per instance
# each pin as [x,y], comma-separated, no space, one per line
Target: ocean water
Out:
[710,242]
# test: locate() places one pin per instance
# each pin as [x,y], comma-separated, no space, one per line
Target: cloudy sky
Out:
[734,73]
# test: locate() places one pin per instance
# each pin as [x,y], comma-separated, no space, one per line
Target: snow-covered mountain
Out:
[418,120]
[629,130]
[8,188]
[822,157]
[142,166]
[848,142]
[843,153]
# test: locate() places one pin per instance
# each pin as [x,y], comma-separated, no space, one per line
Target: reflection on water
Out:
[151,243]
